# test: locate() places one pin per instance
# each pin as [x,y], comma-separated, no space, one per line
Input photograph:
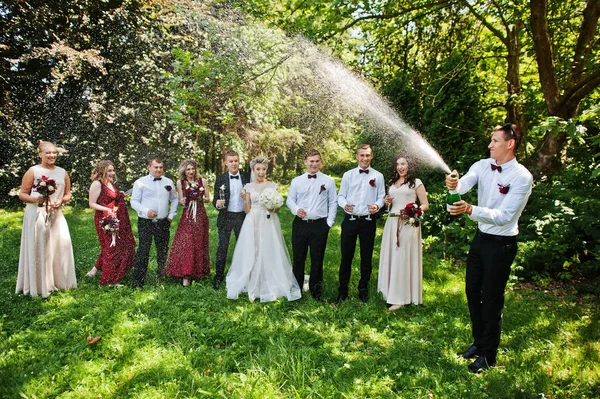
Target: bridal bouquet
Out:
[271,199]
[110,224]
[46,186]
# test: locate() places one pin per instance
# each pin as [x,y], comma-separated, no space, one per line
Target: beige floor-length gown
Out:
[401,261]
[46,261]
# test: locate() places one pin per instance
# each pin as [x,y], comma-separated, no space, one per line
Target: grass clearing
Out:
[167,341]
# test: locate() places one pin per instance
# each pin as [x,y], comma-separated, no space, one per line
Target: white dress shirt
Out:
[316,196]
[149,194]
[495,212]
[361,190]
[235,203]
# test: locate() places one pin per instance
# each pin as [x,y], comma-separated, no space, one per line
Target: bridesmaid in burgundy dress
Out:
[189,258]
[117,248]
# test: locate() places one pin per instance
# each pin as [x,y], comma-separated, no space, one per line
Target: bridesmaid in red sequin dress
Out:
[189,258]
[117,250]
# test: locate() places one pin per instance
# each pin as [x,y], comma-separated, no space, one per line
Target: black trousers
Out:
[226,222]
[488,268]
[148,229]
[364,230]
[313,235]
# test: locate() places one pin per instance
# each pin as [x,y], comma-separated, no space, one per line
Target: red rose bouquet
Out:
[46,186]
[412,214]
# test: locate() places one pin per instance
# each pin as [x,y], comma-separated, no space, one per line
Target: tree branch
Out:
[577,92]
[384,16]
[583,48]
[543,52]
[496,32]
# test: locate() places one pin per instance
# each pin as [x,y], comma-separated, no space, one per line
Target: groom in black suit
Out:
[227,200]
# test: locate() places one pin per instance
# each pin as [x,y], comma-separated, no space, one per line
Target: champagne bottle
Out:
[452,197]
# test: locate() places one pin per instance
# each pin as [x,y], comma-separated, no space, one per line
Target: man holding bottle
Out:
[504,187]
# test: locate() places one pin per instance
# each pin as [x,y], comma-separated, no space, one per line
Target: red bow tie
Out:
[496,167]
[363,171]
[312,176]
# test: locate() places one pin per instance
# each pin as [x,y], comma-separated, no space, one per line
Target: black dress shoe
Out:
[471,353]
[363,295]
[217,283]
[481,364]
[341,298]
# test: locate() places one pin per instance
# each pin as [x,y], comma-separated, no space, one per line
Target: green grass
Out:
[171,342]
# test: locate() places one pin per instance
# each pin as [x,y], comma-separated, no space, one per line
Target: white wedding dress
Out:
[261,265]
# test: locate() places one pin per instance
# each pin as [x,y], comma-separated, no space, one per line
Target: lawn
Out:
[174,342]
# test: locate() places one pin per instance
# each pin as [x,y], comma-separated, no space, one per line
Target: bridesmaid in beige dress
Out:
[46,261]
[400,260]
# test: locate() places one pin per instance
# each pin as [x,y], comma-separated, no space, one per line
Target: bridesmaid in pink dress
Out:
[117,249]
[189,258]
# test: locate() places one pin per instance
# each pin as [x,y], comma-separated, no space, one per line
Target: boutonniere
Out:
[372,182]
[322,188]
[168,188]
[503,189]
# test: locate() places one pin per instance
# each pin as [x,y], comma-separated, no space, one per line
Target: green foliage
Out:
[452,120]
[561,219]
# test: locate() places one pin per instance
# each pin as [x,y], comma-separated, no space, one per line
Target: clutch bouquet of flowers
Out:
[194,192]
[412,214]
[271,199]
[110,224]
[45,186]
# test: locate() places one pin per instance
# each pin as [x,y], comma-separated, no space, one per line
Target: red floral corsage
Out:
[322,188]
[372,182]
[168,188]
[503,189]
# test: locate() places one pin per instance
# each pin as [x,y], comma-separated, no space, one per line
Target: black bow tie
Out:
[312,176]
[157,178]
[234,177]
[363,171]
[495,167]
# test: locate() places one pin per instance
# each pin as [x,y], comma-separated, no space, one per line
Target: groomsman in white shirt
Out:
[504,186]
[154,198]
[361,195]
[313,199]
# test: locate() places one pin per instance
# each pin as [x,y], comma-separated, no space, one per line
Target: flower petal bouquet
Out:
[412,214]
[196,191]
[110,224]
[271,199]
[45,186]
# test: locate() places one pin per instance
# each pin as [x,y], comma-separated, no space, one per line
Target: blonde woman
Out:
[46,261]
[117,248]
[261,265]
[189,258]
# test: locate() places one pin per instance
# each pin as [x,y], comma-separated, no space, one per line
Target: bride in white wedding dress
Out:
[261,264]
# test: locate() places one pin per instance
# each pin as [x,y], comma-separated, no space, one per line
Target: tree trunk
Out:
[514,112]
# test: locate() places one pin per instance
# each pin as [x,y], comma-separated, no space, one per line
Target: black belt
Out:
[493,237]
[310,220]
[358,217]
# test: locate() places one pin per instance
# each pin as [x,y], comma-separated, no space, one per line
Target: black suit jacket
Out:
[223,180]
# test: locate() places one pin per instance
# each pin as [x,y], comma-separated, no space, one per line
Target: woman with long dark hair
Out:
[400,260]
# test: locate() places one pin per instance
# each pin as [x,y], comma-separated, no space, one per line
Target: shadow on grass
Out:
[169,341]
